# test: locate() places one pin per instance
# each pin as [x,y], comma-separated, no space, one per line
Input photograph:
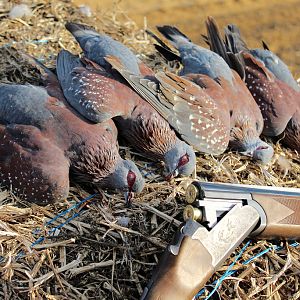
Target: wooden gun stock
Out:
[180,277]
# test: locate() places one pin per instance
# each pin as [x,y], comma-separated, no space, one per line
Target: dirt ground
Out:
[274,21]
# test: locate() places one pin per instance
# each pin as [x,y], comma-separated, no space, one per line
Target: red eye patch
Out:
[183,160]
[131,179]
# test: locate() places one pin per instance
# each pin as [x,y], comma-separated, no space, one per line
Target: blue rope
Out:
[220,280]
[275,248]
[52,230]
[230,272]
[76,205]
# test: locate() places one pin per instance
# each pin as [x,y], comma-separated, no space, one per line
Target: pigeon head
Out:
[180,160]
[245,139]
[260,152]
[263,153]
[126,178]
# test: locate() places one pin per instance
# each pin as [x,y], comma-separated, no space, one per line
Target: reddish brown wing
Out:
[91,93]
[240,110]
[216,92]
[273,97]
[32,166]
[98,96]
[241,103]
[91,147]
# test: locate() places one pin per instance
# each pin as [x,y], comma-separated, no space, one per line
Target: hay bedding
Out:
[98,249]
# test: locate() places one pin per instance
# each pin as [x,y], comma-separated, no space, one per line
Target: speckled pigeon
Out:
[97,94]
[245,116]
[271,61]
[275,93]
[42,138]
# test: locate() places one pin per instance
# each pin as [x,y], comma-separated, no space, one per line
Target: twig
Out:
[71,287]
[92,266]
[67,267]
[274,278]
[109,287]
[62,256]
[56,244]
[55,273]
[38,265]
[161,214]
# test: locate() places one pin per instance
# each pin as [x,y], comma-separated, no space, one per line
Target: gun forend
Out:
[279,208]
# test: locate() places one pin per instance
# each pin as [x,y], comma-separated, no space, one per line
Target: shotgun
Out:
[218,217]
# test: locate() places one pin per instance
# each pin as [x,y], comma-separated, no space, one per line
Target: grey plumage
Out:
[96,46]
[15,107]
[66,62]
[196,59]
[272,62]
[173,156]
[118,179]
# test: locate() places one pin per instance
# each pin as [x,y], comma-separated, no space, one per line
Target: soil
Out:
[275,21]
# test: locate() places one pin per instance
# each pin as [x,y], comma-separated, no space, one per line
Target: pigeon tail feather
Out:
[173,34]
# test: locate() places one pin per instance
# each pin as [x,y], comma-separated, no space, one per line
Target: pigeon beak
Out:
[128,197]
[169,176]
[248,153]
[172,175]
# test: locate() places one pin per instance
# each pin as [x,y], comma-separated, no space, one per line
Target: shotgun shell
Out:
[193,213]
[191,193]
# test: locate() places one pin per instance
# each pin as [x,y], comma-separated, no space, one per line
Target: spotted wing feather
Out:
[89,88]
[188,109]
[195,114]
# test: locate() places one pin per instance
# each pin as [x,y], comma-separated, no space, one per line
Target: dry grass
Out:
[100,249]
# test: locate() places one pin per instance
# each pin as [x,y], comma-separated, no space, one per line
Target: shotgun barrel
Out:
[278,208]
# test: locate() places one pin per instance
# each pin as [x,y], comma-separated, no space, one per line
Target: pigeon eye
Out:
[131,179]
[183,160]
